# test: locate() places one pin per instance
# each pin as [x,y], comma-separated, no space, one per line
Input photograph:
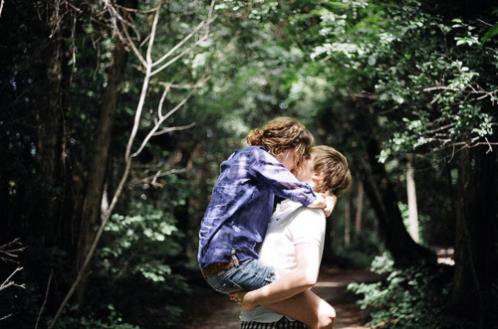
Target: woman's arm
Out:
[306,231]
[267,170]
[290,283]
[271,172]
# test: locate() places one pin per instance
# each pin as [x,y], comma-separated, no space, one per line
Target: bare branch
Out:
[131,44]
[176,108]
[44,299]
[167,88]
[7,283]
[210,15]
[121,26]
[445,88]
[159,123]
[174,59]
[9,251]
[148,56]
[473,91]
[152,179]
[179,44]
[171,129]
[6,317]
[187,85]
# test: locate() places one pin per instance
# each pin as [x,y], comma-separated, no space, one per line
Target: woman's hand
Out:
[243,299]
[319,202]
[326,202]
[330,201]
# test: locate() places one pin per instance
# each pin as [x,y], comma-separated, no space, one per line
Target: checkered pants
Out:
[283,323]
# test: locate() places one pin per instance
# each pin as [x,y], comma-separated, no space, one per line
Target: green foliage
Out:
[139,243]
[114,321]
[382,264]
[406,299]
[143,247]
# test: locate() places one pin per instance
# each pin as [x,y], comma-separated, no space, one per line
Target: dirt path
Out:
[331,287]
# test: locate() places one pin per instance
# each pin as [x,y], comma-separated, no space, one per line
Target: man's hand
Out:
[243,299]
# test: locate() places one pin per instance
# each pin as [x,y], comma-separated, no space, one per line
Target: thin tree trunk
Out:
[475,257]
[411,192]
[347,223]
[91,207]
[359,208]
[50,131]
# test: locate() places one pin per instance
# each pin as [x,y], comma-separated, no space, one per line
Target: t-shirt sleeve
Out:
[308,226]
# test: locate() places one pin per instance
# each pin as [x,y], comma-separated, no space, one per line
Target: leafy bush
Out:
[141,253]
[408,298]
[114,321]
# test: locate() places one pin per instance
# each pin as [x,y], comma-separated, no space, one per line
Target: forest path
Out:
[331,286]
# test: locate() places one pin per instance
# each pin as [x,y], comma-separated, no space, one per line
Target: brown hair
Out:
[334,169]
[280,134]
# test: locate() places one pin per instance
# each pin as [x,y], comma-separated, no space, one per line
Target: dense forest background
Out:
[115,115]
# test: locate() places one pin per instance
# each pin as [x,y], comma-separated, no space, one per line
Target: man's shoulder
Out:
[303,211]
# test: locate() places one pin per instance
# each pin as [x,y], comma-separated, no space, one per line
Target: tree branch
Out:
[159,123]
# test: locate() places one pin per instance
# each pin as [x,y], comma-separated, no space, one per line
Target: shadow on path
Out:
[331,286]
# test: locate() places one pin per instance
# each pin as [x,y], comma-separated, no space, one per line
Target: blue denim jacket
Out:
[241,205]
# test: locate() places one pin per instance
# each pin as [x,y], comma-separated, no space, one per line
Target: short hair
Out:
[333,166]
[280,134]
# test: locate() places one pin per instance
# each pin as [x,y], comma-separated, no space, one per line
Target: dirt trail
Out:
[331,286]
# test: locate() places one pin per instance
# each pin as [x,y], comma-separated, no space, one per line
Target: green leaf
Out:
[492,32]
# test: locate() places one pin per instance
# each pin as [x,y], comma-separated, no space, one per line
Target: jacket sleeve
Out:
[270,172]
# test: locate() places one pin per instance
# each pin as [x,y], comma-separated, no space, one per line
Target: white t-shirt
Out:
[291,224]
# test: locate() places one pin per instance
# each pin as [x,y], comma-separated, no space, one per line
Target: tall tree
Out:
[358,208]
[384,200]
[92,200]
[411,193]
[476,230]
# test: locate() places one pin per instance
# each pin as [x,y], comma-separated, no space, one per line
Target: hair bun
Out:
[255,137]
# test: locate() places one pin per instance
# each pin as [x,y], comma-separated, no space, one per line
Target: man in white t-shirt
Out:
[294,246]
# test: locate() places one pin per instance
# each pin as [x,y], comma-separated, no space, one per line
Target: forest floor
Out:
[331,286]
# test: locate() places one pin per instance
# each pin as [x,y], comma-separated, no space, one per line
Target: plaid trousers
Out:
[283,323]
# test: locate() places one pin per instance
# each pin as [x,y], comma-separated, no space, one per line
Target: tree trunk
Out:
[347,223]
[412,201]
[475,256]
[359,208]
[384,201]
[50,131]
[92,200]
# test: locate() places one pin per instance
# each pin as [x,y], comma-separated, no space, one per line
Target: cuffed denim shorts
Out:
[246,276]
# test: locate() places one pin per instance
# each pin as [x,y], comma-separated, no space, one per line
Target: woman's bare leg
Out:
[308,308]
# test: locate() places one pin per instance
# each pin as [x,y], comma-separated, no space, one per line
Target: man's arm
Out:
[291,283]
[307,232]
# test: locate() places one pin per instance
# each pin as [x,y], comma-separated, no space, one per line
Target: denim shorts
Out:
[246,276]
